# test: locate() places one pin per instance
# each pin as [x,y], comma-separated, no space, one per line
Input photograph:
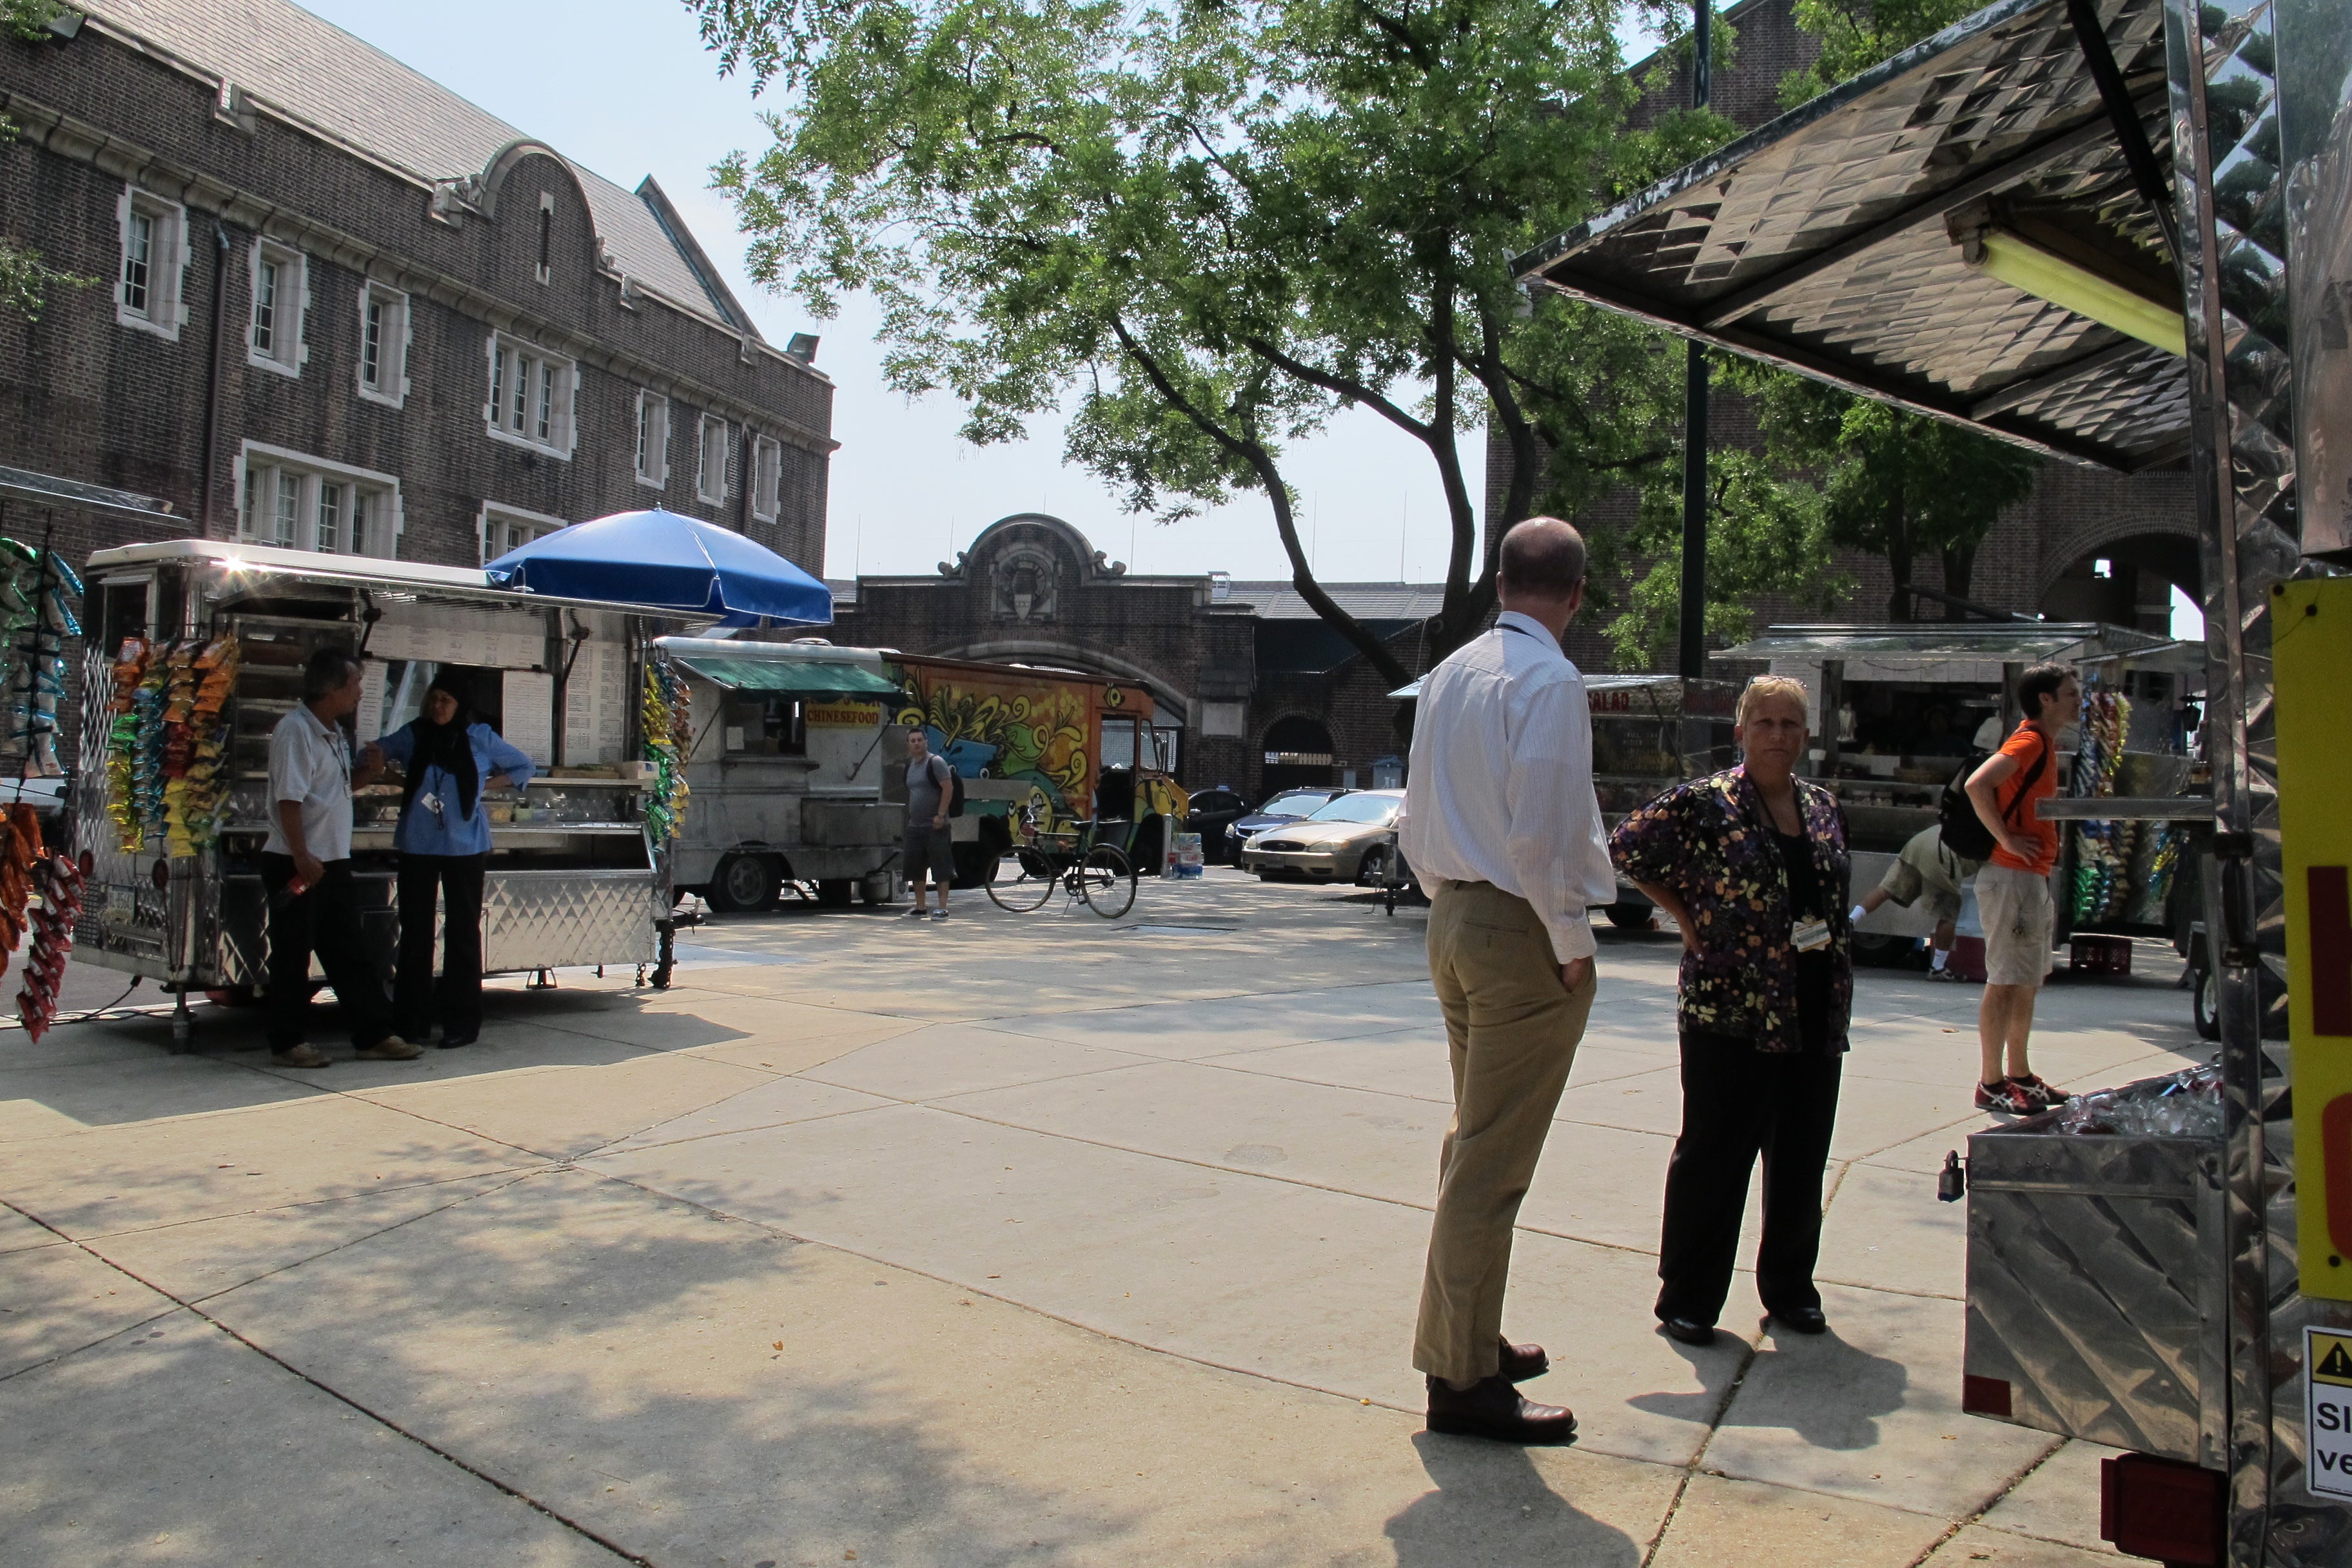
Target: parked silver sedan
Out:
[1346,840]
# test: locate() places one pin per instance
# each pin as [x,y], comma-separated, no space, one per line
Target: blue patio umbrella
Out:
[664,560]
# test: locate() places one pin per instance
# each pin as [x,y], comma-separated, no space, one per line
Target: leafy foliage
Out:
[1208,227]
[25,279]
[1856,35]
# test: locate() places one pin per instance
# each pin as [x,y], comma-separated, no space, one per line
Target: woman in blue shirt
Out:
[444,839]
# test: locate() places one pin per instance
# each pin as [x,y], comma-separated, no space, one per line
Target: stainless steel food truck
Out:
[195,652]
[798,771]
[2120,232]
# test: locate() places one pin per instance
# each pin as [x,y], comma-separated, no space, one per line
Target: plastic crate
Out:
[2099,954]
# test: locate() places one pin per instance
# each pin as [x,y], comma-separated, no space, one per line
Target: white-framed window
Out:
[710,466]
[148,286]
[767,477]
[531,394]
[281,279]
[383,344]
[300,502]
[504,528]
[653,439]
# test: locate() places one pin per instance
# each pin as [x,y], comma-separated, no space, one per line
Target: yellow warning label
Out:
[2331,1358]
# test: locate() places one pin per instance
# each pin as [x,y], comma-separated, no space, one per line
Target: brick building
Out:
[339,308]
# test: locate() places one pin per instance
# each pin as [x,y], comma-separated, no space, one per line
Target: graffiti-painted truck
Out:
[797,771]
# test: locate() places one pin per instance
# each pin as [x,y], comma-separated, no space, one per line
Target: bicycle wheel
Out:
[1031,884]
[1106,882]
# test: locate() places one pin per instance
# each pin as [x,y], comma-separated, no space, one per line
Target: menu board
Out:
[595,704]
[530,719]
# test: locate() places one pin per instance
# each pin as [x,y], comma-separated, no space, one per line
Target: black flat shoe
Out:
[1493,1408]
[1688,1330]
[450,1042]
[1802,1321]
[1520,1363]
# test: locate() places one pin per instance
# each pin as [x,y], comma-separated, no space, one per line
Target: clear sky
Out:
[625,88]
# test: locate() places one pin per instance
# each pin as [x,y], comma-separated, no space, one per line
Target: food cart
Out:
[1895,709]
[2121,233]
[1650,732]
[197,651]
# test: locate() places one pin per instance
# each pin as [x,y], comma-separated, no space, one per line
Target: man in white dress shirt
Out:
[1501,823]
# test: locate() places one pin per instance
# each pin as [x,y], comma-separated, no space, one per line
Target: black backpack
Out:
[954,787]
[1963,832]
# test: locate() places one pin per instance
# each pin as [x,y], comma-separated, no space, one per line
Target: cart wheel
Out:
[2205,1002]
[744,884]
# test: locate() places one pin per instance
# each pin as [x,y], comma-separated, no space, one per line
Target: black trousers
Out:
[1739,1102]
[324,920]
[456,1003]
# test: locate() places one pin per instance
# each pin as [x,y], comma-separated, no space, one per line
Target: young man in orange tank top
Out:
[2013,890]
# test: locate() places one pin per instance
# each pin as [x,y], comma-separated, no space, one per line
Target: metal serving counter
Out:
[2098,1286]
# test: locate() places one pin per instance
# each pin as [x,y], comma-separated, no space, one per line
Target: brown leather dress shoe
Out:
[1520,1363]
[1493,1408]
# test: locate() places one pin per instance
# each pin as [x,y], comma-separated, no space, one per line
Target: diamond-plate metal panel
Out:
[1822,240]
[547,919]
[2097,1286]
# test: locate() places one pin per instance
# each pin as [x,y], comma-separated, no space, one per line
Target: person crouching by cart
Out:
[446,756]
[1752,865]
[1926,871]
[306,872]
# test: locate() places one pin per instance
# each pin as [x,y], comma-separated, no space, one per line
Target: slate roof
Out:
[352,92]
[1278,600]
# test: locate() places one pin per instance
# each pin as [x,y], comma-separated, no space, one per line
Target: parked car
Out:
[1211,811]
[1291,805]
[1347,840]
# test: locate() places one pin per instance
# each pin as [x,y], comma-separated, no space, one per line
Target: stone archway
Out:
[1295,754]
[2125,579]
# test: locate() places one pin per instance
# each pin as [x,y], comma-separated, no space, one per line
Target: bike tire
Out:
[1031,885]
[1106,882]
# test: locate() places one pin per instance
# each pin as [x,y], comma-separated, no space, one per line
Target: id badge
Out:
[1810,935]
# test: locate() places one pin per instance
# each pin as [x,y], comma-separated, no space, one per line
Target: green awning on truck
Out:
[795,677]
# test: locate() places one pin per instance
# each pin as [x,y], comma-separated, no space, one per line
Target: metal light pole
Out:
[1693,660]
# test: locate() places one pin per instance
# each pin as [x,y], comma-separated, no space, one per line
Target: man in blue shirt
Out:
[448,758]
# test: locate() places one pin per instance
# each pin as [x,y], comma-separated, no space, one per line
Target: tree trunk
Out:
[1959,566]
[1898,562]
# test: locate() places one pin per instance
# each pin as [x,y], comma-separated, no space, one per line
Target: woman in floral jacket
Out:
[1751,864]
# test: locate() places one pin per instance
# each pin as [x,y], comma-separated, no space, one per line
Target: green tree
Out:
[1891,483]
[1209,226]
[1856,35]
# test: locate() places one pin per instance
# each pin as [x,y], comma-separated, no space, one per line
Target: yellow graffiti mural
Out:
[1033,730]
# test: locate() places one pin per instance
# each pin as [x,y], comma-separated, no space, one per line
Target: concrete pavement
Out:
[1014,1239]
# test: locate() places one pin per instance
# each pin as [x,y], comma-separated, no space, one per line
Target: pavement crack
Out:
[380,1418]
[1989,1504]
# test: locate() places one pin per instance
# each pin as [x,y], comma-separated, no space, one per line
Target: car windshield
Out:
[1296,803]
[1375,808]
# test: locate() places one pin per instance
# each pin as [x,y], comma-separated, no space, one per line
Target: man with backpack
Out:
[933,794]
[2013,890]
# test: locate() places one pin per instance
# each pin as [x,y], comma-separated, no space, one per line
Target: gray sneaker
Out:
[939,914]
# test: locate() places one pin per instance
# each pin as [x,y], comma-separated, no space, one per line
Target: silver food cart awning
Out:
[1998,642]
[1960,231]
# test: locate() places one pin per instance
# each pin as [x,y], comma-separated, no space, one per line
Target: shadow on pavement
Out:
[1492,1509]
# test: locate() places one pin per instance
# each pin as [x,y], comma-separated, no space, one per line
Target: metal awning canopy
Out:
[1998,642]
[793,677]
[49,491]
[1836,240]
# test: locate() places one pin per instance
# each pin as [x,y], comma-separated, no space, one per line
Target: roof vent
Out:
[1220,586]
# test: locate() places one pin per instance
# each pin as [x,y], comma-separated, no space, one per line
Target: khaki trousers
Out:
[1511,1030]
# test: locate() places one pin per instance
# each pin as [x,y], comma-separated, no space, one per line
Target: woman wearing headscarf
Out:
[448,757]
[1752,865]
